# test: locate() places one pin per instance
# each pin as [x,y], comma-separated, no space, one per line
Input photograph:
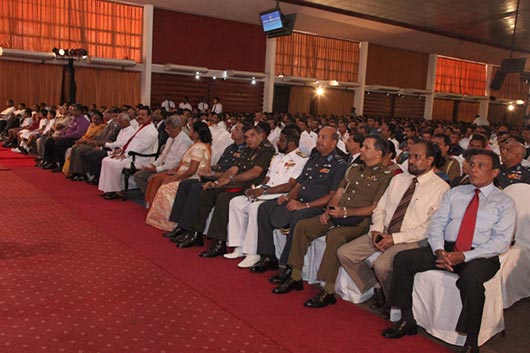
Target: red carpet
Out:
[83,274]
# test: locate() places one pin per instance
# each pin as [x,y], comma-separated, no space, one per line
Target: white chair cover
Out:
[437,306]
[516,266]
[344,286]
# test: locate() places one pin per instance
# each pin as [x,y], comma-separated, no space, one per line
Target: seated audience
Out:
[313,189]
[473,225]
[347,217]
[162,187]
[144,141]
[170,158]
[242,220]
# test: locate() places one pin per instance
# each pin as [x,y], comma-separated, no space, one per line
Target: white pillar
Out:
[270,61]
[147,55]
[484,105]
[361,78]
[431,82]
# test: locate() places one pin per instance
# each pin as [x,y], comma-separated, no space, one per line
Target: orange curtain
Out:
[107,87]
[512,88]
[105,29]
[461,77]
[30,83]
[306,55]
[442,109]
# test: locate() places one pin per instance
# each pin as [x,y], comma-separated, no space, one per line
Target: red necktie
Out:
[467,228]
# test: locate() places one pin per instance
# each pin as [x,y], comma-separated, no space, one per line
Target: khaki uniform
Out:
[363,186]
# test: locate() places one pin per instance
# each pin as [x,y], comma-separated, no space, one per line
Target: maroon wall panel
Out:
[236,96]
[186,39]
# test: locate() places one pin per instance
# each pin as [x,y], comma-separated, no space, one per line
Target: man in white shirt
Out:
[168,105]
[396,225]
[91,160]
[144,140]
[186,104]
[9,109]
[242,220]
[472,227]
[176,145]
[217,107]
[274,135]
[307,142]
[480,121]
[203,105]
[221,138]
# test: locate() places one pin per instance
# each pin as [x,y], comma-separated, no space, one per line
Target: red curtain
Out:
[105,29]
[461,77]
[324,58]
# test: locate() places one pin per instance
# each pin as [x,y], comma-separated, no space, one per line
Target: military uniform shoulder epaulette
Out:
[299,153]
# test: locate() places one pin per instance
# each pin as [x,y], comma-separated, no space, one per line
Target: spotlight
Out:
[519,102]
[253,82]
[62,52]
[511,107]
[214,78]
[197,75]
[320,91]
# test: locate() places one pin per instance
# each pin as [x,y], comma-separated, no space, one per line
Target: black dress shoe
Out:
[321,300]
[191,239]
[111,196]
[217,248]
[173,233]
[379,299]
[265,263]
[400,329]
[289,285]
[282,276]
[56,170]
[470,349]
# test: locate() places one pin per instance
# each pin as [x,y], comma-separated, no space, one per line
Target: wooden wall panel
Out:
[443,109]
[236,96]
[499,114]
[409,107]
[467,111]
[396,67]
[377,105]
[300,99]
[335,101]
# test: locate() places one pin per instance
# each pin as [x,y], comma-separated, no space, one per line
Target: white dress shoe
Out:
[238,252]
[249,261]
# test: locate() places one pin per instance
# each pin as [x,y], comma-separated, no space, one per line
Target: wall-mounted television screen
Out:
[271,20]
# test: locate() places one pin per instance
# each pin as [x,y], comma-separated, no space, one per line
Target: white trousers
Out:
[111,178]
[243,224]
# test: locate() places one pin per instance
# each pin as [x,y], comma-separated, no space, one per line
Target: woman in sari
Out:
[197,157]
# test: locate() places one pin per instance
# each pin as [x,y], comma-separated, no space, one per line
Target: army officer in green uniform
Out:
[347,217]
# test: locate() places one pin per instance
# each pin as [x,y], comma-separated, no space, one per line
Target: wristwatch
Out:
[345,215]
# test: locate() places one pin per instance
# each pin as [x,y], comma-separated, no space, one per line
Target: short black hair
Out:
[480,138]
[432,150]
[265,127]
[291,134]
[146,108]
[495,160]
[380,143]
[445,138]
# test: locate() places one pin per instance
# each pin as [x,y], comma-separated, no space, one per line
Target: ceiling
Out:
[468,29]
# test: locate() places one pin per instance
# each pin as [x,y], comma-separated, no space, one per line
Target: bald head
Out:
[327,140]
